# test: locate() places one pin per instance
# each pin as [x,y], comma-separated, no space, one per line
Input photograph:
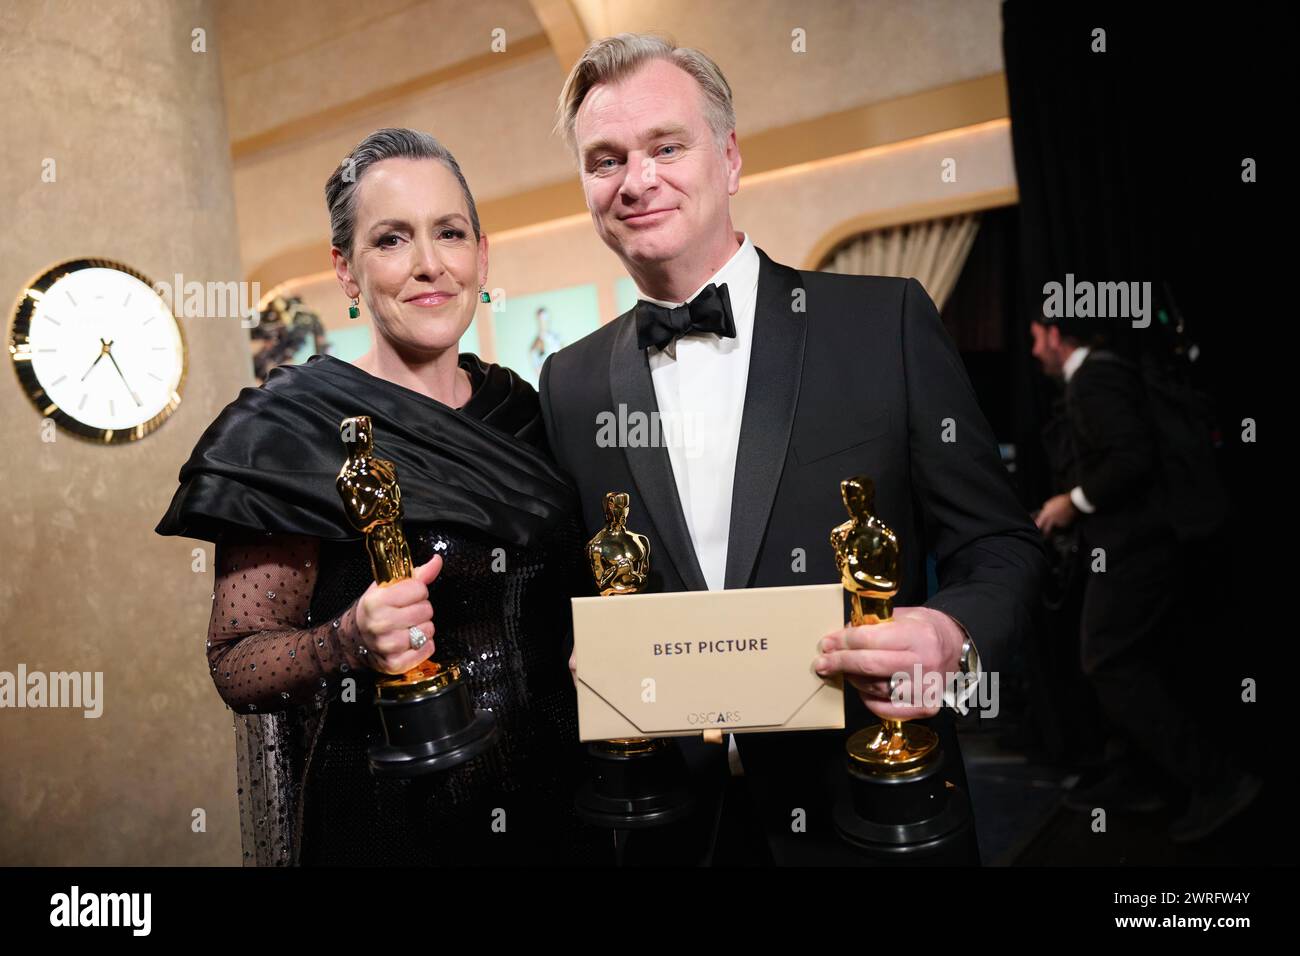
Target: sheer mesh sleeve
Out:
[263,651]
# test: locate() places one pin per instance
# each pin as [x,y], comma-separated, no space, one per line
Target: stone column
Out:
[115,146]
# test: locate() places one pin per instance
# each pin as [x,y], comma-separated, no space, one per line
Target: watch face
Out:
[98,350]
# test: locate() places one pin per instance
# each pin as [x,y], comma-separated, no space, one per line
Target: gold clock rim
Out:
[20,317]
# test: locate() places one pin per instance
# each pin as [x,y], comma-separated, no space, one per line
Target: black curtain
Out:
[1129,165]
[981,315]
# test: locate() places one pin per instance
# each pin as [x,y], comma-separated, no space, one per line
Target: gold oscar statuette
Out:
[894,804]
[867,556]
[373,502]
[631,782]
[620,564]
[428,719]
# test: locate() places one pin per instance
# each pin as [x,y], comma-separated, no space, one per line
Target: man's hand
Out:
[1058,511]
[870,655]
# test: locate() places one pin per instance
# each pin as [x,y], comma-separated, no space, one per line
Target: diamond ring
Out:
[418,637]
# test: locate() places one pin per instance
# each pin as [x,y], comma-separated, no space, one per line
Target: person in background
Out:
[1130,613]
[545,342]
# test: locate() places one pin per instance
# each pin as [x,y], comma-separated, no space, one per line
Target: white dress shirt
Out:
[699,381]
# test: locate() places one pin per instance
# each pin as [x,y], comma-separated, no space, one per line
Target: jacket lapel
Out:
[631,387]
[771,395]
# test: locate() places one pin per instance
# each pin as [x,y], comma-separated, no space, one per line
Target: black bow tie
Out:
[710,311]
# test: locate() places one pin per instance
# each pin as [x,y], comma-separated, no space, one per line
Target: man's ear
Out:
[732,155]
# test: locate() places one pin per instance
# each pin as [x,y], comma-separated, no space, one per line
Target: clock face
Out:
[98,350]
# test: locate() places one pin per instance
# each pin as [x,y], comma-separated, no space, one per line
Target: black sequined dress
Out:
[476,488]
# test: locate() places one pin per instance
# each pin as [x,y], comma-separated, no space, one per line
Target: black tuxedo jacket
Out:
[1118,466]
[848,375]
[1116,460]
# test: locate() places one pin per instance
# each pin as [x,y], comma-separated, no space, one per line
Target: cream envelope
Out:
[670,665]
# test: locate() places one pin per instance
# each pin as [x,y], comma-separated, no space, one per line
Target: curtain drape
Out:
[933,252]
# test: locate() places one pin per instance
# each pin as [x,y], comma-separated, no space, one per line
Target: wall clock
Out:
[97,350]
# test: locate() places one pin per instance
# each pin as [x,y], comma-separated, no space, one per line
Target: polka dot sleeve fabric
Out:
[263,651]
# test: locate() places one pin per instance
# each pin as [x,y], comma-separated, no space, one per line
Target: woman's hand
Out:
[385,614]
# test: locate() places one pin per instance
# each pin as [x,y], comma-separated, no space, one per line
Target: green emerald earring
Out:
[353,310]
[483,295]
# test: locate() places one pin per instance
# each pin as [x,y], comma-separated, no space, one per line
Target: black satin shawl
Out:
[270,459]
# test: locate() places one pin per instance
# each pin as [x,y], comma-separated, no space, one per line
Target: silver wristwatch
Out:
[970,658]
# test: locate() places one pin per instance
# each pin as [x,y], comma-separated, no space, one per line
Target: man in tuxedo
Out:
[1130,626]
[774,384]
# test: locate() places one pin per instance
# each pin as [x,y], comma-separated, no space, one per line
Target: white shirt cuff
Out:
[1081,500]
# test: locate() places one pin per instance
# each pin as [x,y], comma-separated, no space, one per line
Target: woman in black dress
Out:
[299,628]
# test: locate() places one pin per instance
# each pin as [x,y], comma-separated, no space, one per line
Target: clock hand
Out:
[123,377]
[102,353]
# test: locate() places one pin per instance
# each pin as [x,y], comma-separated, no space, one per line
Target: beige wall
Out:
[285,64]
[317,53]
[134,120]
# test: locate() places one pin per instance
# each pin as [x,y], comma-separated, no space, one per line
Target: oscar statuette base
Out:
[908,814]
[429,724]
[633,784]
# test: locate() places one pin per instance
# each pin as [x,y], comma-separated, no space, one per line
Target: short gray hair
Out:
[610,59]
[390,143]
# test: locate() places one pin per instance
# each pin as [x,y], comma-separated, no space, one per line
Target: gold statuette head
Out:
[866,550]
[372,501]
[620,559]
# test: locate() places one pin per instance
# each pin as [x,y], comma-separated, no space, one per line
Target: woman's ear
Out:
[344,272]
[483,259]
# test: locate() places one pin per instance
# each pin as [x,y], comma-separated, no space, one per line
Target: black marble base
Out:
[431,732]
[919,816]
[628,791]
